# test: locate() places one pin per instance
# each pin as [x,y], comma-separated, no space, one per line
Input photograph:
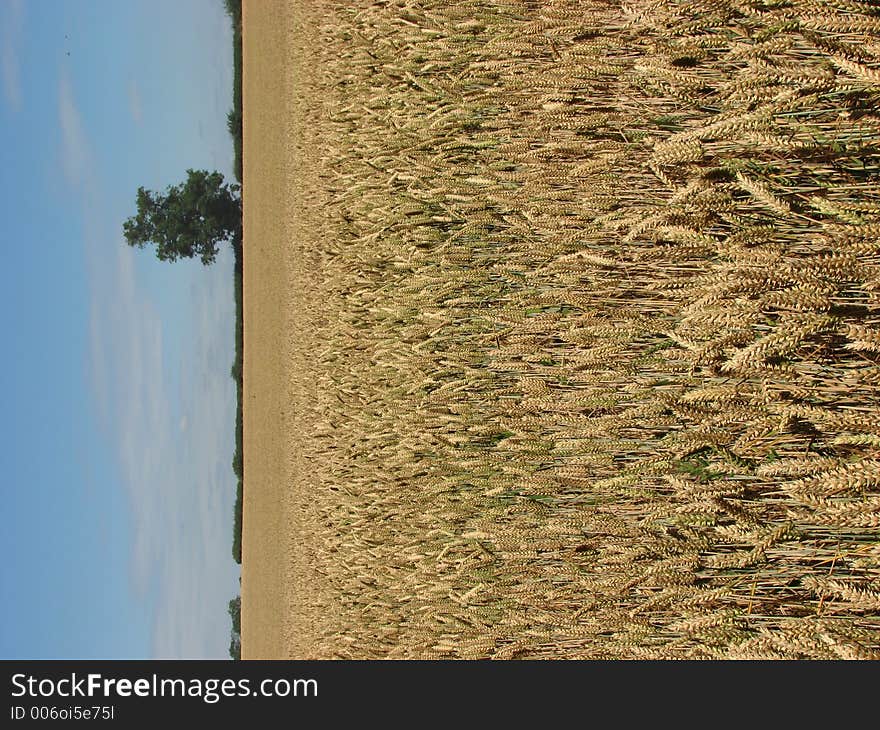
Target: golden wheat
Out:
[589,317]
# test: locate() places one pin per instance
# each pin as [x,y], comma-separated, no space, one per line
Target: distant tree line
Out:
[235,634]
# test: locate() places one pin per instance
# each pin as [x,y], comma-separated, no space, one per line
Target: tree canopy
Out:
[189,220]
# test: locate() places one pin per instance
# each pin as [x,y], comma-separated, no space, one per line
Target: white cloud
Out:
[75,152]
[12,24]
[187,614]
[175,448]
[135,108]
[129,385]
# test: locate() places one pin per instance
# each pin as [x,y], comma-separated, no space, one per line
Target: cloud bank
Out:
[148,377]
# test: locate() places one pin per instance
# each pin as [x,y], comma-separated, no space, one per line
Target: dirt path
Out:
[265,281]
[283,598]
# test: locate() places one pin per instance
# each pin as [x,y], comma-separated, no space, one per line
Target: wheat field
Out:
[580,328]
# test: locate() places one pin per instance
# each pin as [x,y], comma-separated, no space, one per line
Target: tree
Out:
[235,648]
[234,610]
[189,219]
[235,634]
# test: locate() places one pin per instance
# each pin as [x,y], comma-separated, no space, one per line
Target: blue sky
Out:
[119,407]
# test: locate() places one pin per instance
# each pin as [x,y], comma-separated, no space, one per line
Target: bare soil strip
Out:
[282,596]
[265,281]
